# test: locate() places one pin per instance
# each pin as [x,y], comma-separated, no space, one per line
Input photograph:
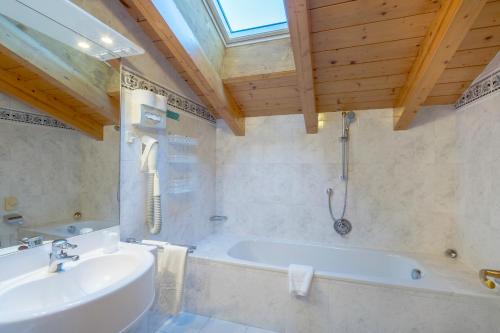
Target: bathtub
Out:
[65,229]
[354,264]
[353,290]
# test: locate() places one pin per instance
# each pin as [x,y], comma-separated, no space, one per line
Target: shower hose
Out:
[345,170]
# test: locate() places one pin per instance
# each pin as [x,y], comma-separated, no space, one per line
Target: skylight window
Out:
[243,20]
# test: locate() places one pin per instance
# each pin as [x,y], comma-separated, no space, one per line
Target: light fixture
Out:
[106,40]
[83,45]
[67,23]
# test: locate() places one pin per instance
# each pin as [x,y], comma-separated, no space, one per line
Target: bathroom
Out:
[296,166]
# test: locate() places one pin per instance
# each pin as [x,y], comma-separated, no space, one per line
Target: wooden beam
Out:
[298,25]
[75,73]
[168,23]
[451,23]
[27,92]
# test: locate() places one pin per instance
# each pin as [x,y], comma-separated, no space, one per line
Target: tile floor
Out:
[191,323]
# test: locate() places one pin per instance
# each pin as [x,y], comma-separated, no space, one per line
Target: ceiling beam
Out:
[84,78]
[299,27]
[176,36]
[452,22]
[27,92]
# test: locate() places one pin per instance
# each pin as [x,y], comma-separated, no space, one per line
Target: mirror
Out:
[55,181]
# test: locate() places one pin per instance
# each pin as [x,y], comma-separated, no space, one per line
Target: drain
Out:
[416,274]
[342,227]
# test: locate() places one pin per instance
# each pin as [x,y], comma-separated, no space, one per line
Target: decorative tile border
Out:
[132,81]
[485,86]
[31,118]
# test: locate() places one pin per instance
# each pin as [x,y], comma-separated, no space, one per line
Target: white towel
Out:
[171,265]
[299,279]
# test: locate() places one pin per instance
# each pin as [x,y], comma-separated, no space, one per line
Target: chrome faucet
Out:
[58,256]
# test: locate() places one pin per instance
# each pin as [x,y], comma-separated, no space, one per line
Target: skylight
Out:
[242,20]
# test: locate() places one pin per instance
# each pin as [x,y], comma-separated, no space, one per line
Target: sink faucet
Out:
[58,256]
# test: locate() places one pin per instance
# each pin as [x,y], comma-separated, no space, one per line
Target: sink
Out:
[98,293]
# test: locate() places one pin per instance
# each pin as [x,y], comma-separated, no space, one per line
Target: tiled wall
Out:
[55,172]
[402,187]
[478,126]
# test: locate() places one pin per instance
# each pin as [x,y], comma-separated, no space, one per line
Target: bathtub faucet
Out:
[58,256]
[485,273]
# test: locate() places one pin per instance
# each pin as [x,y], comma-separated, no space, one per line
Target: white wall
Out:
[478,126]
[402,190]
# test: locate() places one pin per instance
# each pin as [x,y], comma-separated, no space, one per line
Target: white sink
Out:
[98,293]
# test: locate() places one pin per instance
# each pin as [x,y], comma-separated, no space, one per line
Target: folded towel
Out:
[299,279]
[171,264]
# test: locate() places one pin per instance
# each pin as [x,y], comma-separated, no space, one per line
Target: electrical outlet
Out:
[10,203]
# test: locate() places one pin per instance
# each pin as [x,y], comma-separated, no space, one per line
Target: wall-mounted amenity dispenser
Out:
[150,110]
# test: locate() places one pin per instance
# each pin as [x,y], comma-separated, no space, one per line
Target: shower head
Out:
[350,117]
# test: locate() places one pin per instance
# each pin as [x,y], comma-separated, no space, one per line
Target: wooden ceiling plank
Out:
[453,88]
[365,70]
[299,28]
[256,84]
[360,96]
[404,48]
[371,33]
[441,100]
[263,112]
[178,38]
[449,28]
[474,57]
[42,56]
[266,94]
[323,3]
[382,82]
[460,74]
[341,15]
[489,16]
[12,85]
[355,106]
[271,103]
[482,37]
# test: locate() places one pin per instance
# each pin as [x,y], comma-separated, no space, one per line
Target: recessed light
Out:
[106,40]
[83,45]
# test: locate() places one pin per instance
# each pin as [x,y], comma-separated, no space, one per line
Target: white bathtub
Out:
[354,264]
[353,290]
[437,274]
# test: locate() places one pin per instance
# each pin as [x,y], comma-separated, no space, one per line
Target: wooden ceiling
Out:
[360,55]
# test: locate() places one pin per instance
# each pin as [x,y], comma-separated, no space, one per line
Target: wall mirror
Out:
[55,182]
[59,134]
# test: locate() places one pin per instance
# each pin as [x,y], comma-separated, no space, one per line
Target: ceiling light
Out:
[69,24]
[83,45]
[106,40]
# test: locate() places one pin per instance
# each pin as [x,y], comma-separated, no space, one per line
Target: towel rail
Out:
[132,240]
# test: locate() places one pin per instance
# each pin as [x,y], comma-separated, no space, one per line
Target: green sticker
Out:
[172,115]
